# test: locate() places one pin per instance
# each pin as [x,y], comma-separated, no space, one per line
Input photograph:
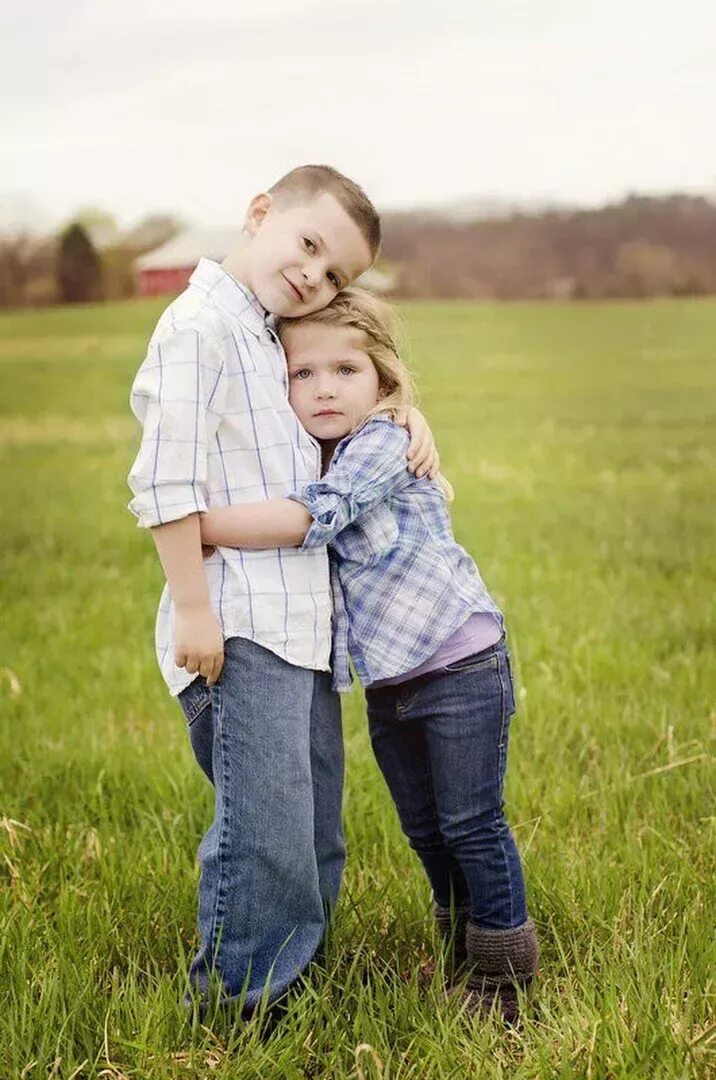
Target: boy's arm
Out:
[198,638]
[423,459]
[178,397]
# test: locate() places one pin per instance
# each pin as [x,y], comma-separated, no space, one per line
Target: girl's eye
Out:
[333,278]
[308,244]
[346,368]
[301,373]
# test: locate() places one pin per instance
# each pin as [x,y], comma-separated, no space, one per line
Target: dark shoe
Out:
[452,925]
[481,1003]
[499,963]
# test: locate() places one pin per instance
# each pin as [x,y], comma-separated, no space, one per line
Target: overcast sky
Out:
[192,106]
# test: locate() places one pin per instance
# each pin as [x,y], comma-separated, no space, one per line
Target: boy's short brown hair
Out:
[309,181]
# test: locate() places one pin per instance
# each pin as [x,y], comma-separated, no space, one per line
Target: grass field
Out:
[580,442]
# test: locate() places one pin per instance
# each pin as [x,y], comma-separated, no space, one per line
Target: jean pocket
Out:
[512,704]
[474,662]
[194,699]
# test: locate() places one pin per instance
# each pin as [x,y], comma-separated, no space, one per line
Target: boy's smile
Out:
[333,384]
[301,254]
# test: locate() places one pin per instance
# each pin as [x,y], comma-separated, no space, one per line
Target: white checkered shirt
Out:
[212,398]
[401,584]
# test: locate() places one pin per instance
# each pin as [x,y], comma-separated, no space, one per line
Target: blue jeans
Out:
[441,743]
[268,737]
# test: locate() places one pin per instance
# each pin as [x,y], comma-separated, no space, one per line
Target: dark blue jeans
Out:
[441,743]
[268,737]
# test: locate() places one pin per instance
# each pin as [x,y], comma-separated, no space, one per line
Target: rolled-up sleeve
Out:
[371,467]
[177,397]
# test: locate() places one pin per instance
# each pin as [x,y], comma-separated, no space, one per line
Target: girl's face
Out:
[332,382]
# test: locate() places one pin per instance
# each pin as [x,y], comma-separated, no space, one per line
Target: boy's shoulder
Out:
[192,311]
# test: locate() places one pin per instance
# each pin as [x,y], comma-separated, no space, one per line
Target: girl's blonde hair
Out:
[357,309]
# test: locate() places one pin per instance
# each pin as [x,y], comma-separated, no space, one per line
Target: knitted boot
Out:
[453,926]
[498,962]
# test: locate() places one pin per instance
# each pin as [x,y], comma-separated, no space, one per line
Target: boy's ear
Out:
[257,211]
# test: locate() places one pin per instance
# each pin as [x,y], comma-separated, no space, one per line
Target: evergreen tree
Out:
[79,267]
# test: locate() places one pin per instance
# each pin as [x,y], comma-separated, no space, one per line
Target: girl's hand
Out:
[423,458]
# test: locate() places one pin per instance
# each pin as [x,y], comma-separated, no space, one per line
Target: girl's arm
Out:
[370,470]
[269,524]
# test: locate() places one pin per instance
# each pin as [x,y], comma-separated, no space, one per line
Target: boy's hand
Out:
[423,459]
[199,642]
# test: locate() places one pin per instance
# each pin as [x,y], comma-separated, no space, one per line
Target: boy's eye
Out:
[301,373]
[308,244]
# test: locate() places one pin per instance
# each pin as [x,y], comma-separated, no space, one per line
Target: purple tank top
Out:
[479,632]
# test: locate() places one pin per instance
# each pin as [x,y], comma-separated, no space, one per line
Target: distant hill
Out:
[643,246]
[479,208]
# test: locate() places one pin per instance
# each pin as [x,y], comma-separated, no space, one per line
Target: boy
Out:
[217,429]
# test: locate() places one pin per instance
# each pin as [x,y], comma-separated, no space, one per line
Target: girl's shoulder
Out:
[378,432]
[379,421]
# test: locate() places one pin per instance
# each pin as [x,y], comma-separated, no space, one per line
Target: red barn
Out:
[167,268]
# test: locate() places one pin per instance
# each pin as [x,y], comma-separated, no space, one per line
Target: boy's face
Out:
[332,382]
[301,255]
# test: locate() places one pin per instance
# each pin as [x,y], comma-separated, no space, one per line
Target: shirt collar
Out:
[228,292]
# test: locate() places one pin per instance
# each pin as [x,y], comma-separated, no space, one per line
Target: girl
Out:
[425,637]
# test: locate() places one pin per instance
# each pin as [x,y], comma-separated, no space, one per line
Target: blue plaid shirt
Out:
[401,584]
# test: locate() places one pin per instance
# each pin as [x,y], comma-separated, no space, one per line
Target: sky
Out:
[193,106]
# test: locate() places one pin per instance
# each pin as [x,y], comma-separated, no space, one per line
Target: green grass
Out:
[580,442]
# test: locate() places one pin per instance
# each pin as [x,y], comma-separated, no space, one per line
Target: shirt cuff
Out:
[169,502]
[323,508]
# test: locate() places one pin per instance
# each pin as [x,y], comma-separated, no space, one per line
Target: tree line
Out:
[640,247]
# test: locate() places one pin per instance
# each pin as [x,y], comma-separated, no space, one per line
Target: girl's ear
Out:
[256,213]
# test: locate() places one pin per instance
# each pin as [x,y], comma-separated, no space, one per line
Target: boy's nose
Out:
[310,276]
